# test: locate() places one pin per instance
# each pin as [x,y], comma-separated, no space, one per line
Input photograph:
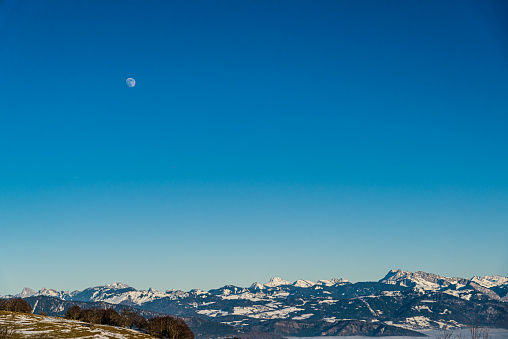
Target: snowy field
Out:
[27,325]
[493,334]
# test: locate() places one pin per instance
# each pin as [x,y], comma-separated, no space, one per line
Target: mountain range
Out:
[400,303]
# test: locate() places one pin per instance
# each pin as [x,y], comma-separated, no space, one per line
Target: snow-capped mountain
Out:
[421,280]
[332,281]
[257,286]
[490,281]
[276,281]
[409,299]
[54,293]
[303,283]
[117,285]
[27,292]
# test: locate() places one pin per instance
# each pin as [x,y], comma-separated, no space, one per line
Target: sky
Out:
[299,139]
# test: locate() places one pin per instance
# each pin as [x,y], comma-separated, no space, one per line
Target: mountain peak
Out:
[117,285]
[27,292]
[276,281]
[420,280]
[304,283]
[490,281]
[332,281]
[257,286]
[391,274]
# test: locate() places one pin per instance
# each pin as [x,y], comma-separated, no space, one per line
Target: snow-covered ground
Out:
[493,334]
[29,325]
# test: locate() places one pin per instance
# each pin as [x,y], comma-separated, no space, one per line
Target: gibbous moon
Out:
[130,82]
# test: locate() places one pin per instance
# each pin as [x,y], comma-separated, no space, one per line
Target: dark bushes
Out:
[15,305]
[161,327]
[95,315]
[132,319]
[169,327]
[73,312]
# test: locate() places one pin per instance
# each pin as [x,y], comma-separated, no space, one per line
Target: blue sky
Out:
[301,139]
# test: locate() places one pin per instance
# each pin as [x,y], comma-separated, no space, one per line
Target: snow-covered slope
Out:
[276,281]
[37,326]
[27,292]
[303,283]
[332,281]
[116,285]
[490,281]
[257,286]
[490,287]
[421,280]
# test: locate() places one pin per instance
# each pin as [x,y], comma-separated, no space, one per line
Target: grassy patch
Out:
[38,326]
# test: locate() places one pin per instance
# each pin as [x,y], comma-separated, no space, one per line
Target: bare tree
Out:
[444,334]
[169,327]
[478,332]
[73,312]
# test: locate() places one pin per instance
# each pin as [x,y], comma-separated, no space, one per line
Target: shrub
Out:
[169,327]
[110,317]
[130,319]
[73,312]
[15,305]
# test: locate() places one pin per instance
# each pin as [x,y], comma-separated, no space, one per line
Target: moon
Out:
[130,82]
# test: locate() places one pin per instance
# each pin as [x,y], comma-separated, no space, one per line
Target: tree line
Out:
[160,327]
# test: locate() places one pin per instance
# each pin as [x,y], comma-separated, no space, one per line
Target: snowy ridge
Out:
[276,281]
[27,292]
[116,285]
[118,293]
[421,280]
[303,283]
[458,287]
[257,286]
[332,282]
[490,281]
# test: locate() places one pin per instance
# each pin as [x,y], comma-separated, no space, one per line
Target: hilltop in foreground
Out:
[37,326]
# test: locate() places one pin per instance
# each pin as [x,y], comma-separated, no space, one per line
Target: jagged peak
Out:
[392,273]
[26,292]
